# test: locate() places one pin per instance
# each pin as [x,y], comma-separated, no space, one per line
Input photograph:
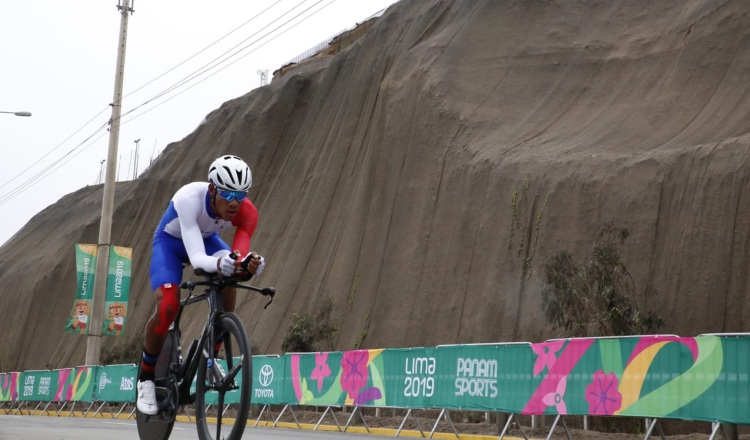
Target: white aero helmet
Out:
[230,172]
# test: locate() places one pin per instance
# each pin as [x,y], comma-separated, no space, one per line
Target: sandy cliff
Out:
[411,177]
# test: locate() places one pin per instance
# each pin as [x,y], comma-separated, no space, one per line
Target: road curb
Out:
[286,425]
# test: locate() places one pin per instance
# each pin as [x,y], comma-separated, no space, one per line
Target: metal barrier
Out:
[702,378]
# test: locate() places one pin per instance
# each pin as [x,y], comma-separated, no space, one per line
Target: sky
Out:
[183,59]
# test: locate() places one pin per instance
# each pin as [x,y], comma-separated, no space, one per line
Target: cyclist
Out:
[188,233]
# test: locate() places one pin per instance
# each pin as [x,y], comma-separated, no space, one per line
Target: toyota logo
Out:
[266,375]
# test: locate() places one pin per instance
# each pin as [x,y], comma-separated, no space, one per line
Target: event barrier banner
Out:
[317,378]
[269,380]
[116,383]
[81,383]
[36,386]
[703,378]
[64,391]
[85,267]
[697,378]
[9,387]
[409,377]
[486,376]
[118,290]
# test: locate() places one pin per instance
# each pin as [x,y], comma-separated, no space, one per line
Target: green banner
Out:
[118,290]
[85,267]
[703,378]
[64,390]
[482,376]
[409,377]
[697,378]
[115,383]
[80,384]
[37,386]
[335,378]
[268,383]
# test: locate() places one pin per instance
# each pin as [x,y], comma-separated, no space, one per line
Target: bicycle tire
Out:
[159,427]
[212,424]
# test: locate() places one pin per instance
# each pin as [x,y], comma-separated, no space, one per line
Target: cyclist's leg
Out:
[166,273]
[167,256]
[167,302]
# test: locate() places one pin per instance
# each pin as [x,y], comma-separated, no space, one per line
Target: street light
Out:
[18,113]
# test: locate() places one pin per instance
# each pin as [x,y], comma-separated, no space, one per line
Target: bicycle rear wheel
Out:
[159,427]
[222,407]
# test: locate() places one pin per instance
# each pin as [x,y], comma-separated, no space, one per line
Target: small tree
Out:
[594,299]
[310,333]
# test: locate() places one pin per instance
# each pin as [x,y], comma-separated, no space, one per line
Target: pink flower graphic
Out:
[321,370]
[354,371]
[546,354]
[602,394]
[556,399]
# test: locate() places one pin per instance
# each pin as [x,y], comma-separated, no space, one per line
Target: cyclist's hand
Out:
[227,265]
[254,263]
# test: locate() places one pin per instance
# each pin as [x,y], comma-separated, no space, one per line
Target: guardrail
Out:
[703,378]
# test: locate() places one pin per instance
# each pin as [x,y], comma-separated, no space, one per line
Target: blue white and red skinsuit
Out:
[188,232]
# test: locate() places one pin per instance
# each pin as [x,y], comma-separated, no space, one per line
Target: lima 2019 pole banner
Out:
[118,289]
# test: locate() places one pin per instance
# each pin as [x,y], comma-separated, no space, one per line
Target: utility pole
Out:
[263,77]
[101,172]
[94,337]
[135,168]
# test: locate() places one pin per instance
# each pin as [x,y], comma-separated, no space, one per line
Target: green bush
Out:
[311,333]
[595,299]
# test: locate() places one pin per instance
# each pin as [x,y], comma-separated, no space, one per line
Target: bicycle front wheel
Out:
[222,403]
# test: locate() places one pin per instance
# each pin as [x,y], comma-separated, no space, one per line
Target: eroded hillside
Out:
[421,177]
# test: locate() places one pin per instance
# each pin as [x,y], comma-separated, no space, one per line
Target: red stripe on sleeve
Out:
[245,221]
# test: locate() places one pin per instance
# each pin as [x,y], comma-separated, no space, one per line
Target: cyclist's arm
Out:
[192,237]
[246,221]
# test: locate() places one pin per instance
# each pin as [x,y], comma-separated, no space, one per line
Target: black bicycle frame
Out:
[187,367]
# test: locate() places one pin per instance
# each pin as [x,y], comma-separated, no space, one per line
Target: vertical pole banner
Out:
[118,290]
[85,267]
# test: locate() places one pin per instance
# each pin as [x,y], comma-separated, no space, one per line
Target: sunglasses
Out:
[231,195]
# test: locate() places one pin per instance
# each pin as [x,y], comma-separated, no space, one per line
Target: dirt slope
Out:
[413,176]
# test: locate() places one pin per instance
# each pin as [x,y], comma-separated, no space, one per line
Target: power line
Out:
[208,66]
[55,148]
[205,48]
[45,172]
[195,75]
[30,181]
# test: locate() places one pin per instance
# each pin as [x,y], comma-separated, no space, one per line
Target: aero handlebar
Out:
[215,280]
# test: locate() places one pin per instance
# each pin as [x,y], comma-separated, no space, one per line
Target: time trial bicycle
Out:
[215,388]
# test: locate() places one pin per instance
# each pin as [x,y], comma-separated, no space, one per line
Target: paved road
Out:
[72,428]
